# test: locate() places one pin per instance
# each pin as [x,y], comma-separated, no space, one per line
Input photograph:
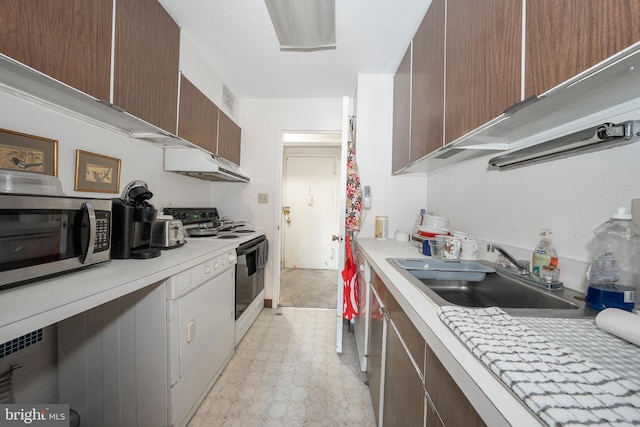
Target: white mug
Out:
[460,234]
[469,249]
[452,247]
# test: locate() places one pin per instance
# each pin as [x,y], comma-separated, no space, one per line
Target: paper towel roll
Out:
[620,323]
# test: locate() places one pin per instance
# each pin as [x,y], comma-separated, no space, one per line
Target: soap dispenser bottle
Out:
[544,254]
[614,271]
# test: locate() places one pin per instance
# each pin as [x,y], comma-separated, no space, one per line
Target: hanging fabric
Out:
[352,224]
[349,281]
[354,190]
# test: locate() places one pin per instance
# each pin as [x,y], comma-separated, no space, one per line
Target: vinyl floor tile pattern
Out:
[305,287]
[286,372]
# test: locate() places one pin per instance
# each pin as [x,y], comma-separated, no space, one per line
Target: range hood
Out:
[607,135]
[200,164]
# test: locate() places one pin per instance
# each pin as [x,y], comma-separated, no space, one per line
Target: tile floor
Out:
[303,287]
[285,372]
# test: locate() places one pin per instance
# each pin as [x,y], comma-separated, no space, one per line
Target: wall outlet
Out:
[263,198]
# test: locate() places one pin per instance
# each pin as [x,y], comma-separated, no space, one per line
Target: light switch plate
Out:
[263,198]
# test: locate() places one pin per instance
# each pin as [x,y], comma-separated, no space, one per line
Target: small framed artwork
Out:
[97,173]
[28,153]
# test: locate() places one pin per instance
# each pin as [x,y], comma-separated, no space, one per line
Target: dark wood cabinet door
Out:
[402,114]
[565,37]
[374,358]
[410,335]
[449,401]
[483,62]
[147,46]
[229,139]
[432,418]
[403,387]
[198,120]
[427,83]
[69,40]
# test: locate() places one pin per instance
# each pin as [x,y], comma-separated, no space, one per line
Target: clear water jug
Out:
[614,273]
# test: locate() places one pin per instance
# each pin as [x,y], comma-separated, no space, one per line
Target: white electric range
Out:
[252,255]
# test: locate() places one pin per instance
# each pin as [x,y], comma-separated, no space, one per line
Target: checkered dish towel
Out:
[562,388]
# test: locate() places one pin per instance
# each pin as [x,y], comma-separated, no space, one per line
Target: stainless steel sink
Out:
[498,289]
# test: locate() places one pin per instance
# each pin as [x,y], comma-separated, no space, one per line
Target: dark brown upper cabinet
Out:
[198,119]
[69,40]
[229,138]
[427,83]
[566,37]
[147,47]
[483,62]
[400,155]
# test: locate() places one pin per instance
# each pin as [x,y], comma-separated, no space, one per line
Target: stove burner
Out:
[228,236]
[244,231]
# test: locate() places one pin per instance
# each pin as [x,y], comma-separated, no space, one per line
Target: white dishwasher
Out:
[200,331]
[361,325]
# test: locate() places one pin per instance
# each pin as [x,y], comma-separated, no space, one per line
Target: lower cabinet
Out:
[403,384]
[112,361]
[377,330]
[409,385]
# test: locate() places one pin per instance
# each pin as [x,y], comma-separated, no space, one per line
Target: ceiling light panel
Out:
[304,24]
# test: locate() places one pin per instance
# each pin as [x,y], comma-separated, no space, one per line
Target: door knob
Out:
[334,238]
[288,220]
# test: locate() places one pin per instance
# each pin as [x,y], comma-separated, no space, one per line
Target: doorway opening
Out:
[309,222]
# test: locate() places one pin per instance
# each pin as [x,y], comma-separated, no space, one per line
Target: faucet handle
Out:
[526,266]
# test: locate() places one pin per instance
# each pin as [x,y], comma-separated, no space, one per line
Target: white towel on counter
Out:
[562,388]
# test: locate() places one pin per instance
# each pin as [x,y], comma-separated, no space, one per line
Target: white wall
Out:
[398,197]
[263,121]
[571,196]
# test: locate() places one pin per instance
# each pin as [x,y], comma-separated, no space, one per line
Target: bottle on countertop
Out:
[614,272]
[544,254]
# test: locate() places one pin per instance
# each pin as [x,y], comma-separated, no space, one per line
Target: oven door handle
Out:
[245,251]
[86,258]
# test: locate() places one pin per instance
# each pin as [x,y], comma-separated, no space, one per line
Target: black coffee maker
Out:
[132,218]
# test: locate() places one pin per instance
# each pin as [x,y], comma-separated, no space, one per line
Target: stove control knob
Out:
[232,257]
[207,268]
[216,265]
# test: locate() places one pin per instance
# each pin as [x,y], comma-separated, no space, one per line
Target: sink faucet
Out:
[522,266]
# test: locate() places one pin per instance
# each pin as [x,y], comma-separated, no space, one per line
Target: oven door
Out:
[40,236]
[249,277]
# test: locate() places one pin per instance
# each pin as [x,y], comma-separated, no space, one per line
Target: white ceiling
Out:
[242,47]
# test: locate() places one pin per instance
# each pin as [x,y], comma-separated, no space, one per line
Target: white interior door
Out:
[310,198]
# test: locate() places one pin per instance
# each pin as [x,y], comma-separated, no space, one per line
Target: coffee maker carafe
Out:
[132,218]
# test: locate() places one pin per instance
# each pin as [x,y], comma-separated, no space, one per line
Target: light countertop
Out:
[29,307]
[496,405]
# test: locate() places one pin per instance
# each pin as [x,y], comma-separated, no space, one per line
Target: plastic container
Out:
[382,228]
[18,182]
[614,274]
[544,253]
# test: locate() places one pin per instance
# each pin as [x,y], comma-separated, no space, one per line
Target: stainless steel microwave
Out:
[46,235]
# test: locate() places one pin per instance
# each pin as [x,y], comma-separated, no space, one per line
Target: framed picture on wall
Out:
[97,173]
[28,153]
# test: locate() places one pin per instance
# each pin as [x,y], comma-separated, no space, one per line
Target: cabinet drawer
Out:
[408,332]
